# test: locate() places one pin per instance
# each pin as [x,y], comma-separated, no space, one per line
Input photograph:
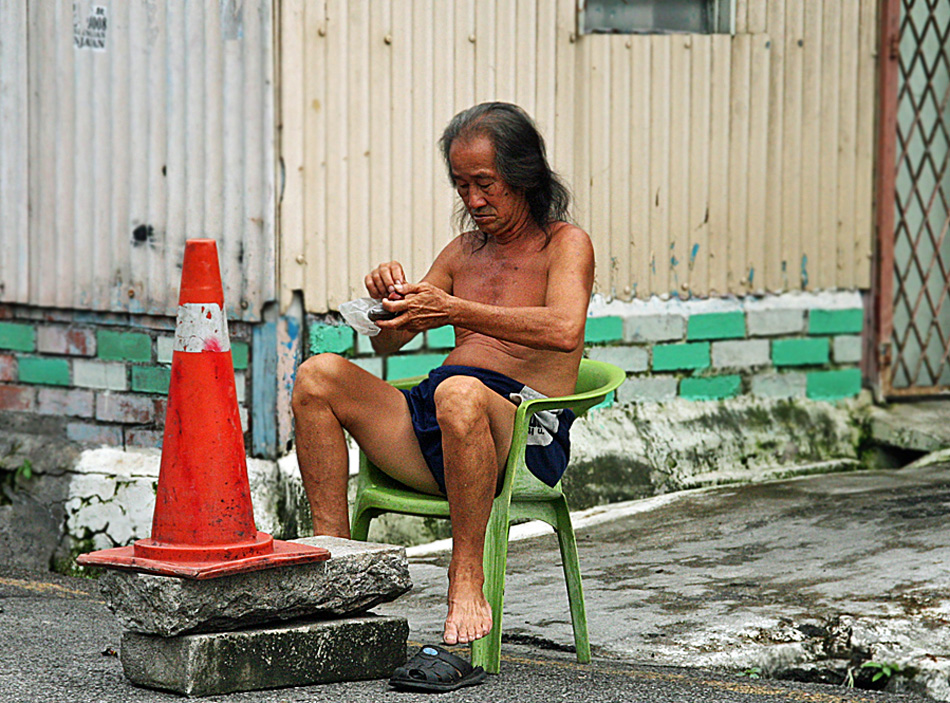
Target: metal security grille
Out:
[917,362]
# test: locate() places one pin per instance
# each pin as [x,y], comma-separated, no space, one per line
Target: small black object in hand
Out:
[378,312]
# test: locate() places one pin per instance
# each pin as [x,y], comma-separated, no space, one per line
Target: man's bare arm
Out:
[557,325]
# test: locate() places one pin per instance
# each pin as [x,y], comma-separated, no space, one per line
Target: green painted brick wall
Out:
[672,357]
[441,337]
[151,379]
[337,339]
[833,385]
[599,330]
[17,337]
[123,346]
[51,372]
[800,352]
[240,352]
[711,388]
[412,365]
[716,325]
[835,321]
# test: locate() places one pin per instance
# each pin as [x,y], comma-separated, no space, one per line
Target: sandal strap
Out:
[434,661]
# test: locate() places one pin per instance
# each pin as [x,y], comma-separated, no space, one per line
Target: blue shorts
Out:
[548,448]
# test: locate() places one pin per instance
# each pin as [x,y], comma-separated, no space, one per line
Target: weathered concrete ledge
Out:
[301,654]
[358,576]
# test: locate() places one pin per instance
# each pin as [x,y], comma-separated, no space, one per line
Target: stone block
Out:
[800,352]
[8,370]
[337,339]
[89,433]
[165,349]
[654,328]
[74,402]
[58,339]
[775,322]
[441,337]
[412,365]
[151,379]
[124,346]
[779,385]
[630,359]
[716,325]
[17,398]
[358,576]
[833,385]
[98,374]
[17,336]
[848,321]
[740,353]
[674,357]
[138,409]
[50,372]
[847,349]
[240,354]
[301,654]
[711,388]
[648,389]
[599,330]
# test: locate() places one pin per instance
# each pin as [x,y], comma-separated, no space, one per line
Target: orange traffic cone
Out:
[203,525]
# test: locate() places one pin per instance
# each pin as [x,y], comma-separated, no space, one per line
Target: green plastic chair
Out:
[522,497]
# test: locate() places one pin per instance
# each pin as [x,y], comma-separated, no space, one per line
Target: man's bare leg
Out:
[476,428]
[330,395]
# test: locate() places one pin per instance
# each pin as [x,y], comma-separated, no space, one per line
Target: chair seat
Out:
[522,496]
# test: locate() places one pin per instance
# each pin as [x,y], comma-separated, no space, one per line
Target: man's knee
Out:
[461,402]
[317,379]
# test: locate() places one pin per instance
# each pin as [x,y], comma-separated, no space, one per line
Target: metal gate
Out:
[914,199]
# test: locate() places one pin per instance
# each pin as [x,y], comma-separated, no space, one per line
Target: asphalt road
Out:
[58,644]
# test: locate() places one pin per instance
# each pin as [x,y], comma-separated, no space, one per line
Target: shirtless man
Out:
[516,290]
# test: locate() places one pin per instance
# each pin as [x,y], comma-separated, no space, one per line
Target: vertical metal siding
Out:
[164,133]
[700,164]
[14,243]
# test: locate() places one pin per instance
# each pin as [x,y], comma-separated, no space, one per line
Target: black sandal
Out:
[436,670]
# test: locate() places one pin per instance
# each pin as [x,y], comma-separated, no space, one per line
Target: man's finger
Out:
[407,288]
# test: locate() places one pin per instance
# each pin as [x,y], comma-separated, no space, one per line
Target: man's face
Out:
[496,208]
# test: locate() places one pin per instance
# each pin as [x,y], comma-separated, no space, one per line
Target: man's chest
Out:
[510,281]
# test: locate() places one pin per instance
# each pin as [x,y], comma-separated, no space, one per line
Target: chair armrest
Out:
[407,383]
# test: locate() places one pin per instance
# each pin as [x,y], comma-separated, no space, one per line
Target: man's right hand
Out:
[381,281]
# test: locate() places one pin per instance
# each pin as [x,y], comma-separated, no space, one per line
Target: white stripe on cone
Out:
[201,327]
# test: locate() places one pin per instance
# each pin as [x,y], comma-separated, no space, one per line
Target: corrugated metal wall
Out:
[13,151]
[151,121]
[704,164]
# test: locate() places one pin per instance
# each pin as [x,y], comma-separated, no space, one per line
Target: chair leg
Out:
[359,530]
[486,652]
[572,577]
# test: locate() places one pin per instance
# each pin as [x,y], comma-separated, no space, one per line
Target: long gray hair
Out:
[519,159]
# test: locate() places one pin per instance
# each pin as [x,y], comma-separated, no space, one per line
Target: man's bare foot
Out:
[469,617]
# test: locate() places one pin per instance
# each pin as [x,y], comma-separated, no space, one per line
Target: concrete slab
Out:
[357,577]
[804,578]
[922,426]
[300,654]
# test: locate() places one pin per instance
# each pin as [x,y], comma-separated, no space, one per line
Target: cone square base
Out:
[283,554]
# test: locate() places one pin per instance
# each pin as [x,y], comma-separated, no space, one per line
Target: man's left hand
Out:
[423,307]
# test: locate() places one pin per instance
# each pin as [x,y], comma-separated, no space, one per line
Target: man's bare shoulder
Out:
[569,239]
